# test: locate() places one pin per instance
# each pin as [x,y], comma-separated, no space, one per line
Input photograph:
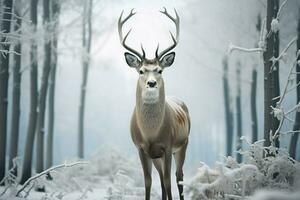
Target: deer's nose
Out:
[151,83]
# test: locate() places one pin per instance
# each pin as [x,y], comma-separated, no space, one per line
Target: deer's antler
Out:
[123,40]
[175,40]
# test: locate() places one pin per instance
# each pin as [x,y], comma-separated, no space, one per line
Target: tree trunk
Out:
[86,45]
[43,91]
[294,138]
[253,106]
[16,90]
[253,92]
[275,75]
[54,18]
[4,65]
[271,80]
[27,159]
[228,112]
[239,113]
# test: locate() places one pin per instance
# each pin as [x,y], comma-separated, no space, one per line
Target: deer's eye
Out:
[141,72]
[160,71]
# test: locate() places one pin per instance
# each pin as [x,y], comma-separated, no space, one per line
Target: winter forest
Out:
[92,92]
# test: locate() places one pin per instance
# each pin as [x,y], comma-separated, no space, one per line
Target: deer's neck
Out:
[150,116]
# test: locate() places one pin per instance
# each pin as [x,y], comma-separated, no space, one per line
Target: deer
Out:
[159,125]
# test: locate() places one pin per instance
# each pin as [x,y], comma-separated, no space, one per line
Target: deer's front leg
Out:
[167,174]
[147,168]
[159,166]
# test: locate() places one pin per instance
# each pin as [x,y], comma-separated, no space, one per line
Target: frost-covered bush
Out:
[125,175]
[108,161]
[10,181]
[107,173]
[230,180]
[124,188]
[107,168]
[111,169]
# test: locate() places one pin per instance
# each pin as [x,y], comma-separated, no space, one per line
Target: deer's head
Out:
[150,70]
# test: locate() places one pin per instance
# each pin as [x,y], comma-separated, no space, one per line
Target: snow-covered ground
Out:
[110,174]
[259,177]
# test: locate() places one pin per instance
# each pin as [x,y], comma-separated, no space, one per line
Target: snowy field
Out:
[109,174]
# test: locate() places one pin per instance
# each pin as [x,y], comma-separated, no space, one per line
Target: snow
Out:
[275,195]
[275,25]
[278,113]
[258,177]
[262,45]
[232,47]
[109,174]
[284,57]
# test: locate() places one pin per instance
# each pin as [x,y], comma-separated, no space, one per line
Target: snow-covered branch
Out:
[46,172]
[5,52]
[283,53]
[290,132]
[288,90]
[275,21]
[232,47]
[10,179]
[280,9]
[279,111]
[262,42]
[288,79]
[276,134]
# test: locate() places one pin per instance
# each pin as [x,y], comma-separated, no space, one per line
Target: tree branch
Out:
[232,47]
[46,172]
[275,60]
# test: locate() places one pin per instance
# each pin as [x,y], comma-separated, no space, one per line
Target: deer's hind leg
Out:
[179,157]
[158,165]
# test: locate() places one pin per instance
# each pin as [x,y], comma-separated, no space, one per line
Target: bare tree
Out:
[43,90]
[238,112]
[253,92]
[86,45]
[275,74]
[253,106]
[294,138]
[269,46]
[16,90]
[27,159]
[228,112]
[4,65]
[271,74]
[55,5]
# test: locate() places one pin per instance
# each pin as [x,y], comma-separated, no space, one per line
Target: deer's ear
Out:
[132,60]
[167,60]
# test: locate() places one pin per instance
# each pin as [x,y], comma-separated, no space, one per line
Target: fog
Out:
[206,30]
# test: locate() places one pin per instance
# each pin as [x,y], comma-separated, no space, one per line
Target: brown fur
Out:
[158,131]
